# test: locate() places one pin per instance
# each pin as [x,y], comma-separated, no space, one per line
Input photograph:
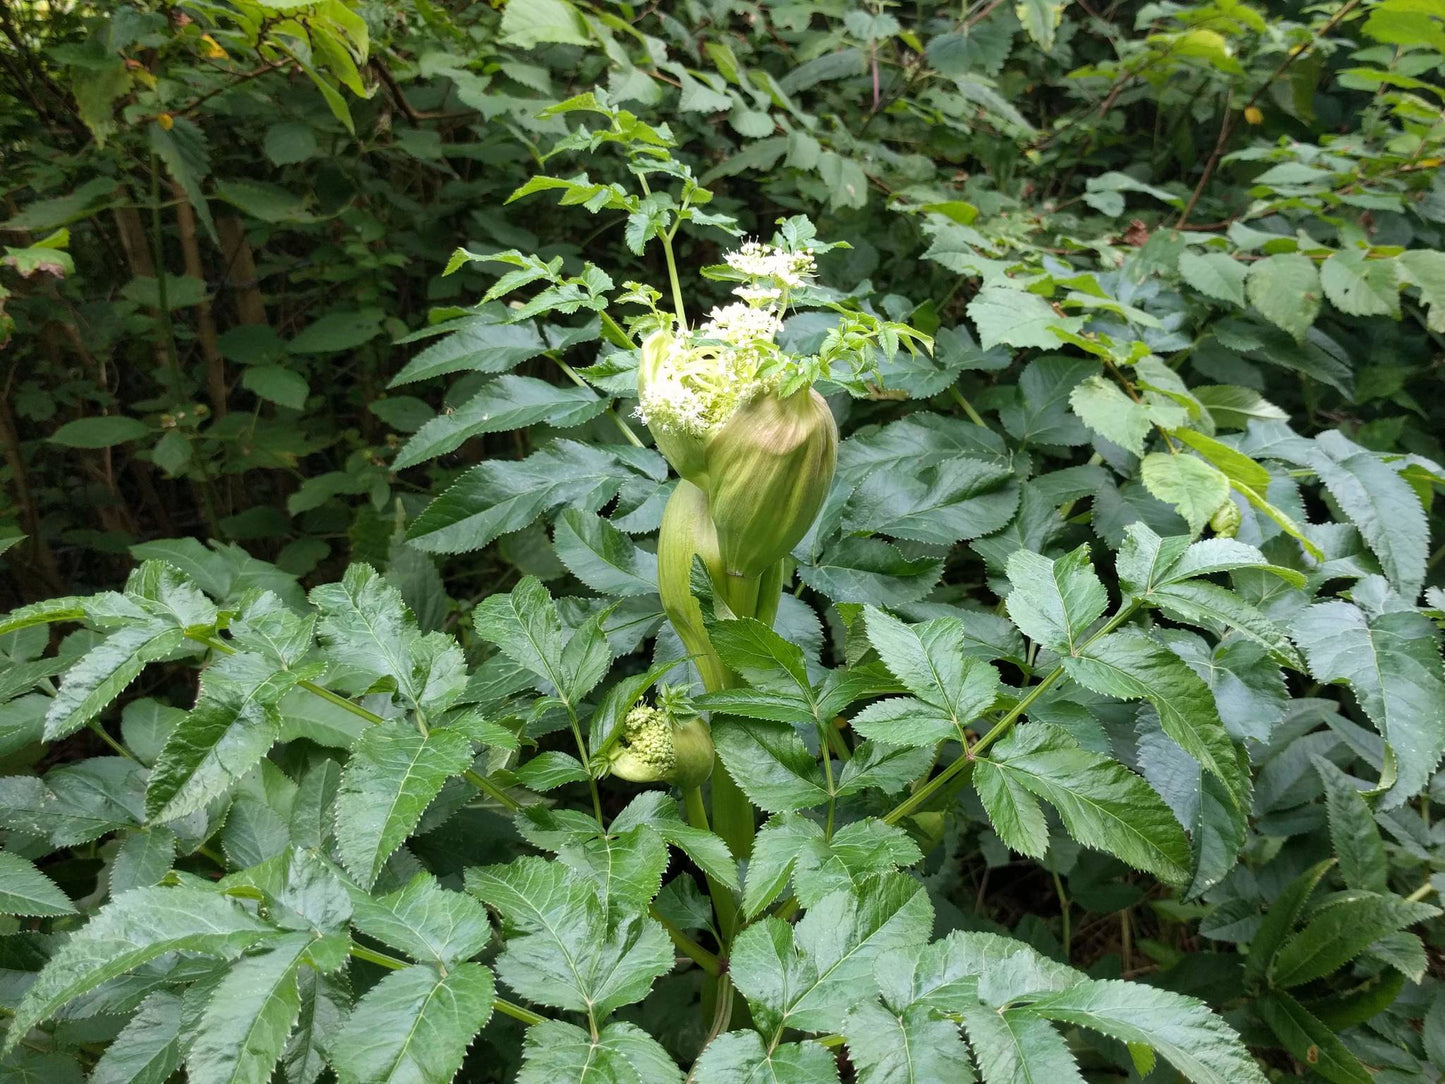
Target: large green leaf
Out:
[233,725]
[133,929]
[621,1053]
[24,890]
[1185,1031]
[414,1026]
[742,1057]
[808,976]
[1131,666]
[1354,836]
[391,777]
[148,1049]
[790,845]
[1340,930]
[1055,602]
[958,499]
[1391,662]
[1311,1041]
[244,1027]
[770,763]
[949,690]
[601,556]
[562,948]
[105,670]
[500,496]
[1102,803]
[1013,1048]
[911,1047]
[508,402]
[1285,288]
[429,923]
[1380,503]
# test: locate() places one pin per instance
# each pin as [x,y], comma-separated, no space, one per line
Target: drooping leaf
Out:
[148,1049]
[602,557]
[138,927]
[1129,665]
[1339,931]
[1185,1031]
[1380,503]
[102,673]
[1354,836]
[508,402]
[1391,661]
[233,725]
[243,1030]
[1311,1041]
[1102,803]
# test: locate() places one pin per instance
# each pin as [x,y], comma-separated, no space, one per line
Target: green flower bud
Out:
[1226,519]
[769,469]
[660,746]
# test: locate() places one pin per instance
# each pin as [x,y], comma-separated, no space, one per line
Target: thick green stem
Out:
[722,896]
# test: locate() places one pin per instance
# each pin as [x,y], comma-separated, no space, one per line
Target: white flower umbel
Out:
[766,263]
[692,382]
[695,381]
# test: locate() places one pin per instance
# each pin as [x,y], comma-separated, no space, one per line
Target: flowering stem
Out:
[672,277]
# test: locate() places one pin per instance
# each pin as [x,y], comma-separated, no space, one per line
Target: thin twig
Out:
[1226,129]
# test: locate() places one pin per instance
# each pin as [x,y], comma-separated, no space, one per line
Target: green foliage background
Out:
[1163,492]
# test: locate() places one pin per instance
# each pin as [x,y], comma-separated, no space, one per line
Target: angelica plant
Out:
[682,803]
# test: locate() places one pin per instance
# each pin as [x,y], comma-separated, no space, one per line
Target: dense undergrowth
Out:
[721,541]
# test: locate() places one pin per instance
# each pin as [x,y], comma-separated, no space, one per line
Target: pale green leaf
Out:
[1055,602]
[1285,288]
[1195,488]
[621,1053]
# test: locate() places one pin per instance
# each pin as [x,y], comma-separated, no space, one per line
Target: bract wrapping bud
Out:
[687,531]
[1226,520]
[769,469]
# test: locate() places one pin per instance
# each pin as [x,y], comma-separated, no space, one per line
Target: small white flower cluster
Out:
[741,325]
[757,260]
[709,373]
